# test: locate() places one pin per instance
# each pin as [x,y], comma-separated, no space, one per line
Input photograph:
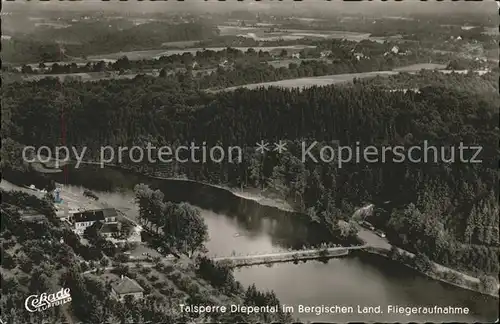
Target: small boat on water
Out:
[237,235]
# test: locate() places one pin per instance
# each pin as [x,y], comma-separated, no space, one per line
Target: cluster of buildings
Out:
[110,228]
[81,219]
[395,50]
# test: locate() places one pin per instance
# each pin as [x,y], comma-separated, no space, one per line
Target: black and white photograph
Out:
[196,162]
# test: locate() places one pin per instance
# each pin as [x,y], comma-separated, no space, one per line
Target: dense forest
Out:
[455,204]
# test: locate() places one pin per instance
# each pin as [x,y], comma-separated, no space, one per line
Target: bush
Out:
[159,284]
[193,288]
[323,253]
[26,265]
[121,257]
[84,266]
[167,291]
[104,262]
[175,276]
[488,284]
[423,263]
[8,261]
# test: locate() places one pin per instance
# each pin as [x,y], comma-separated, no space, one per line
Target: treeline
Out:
[199,60]
[162,112]
[421,262]
[470,82]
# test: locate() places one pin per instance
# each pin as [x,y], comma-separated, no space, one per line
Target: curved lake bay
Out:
[241,226]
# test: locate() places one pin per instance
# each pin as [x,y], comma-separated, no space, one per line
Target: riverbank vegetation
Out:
[486,284]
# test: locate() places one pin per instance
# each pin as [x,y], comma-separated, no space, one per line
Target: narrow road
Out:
[287,254]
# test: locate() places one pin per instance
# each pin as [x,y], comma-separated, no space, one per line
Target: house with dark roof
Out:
[126,287]
[84,219]
[108,229]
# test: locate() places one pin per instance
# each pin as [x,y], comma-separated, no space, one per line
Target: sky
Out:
[390,7]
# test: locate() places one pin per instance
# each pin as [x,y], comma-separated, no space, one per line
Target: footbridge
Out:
[287,256]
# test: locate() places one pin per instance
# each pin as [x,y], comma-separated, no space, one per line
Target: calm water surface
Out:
[240,226]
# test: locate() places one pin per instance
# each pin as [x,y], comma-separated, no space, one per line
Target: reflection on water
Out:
[243,226]
[365,281]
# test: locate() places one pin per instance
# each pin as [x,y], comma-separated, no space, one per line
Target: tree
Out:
[394,253]
[126,229]
[423,263]
[122,63]
[26,69]
[151,205]
[91,233]
[488,284]
[8,261]
[104,262]
[188,229]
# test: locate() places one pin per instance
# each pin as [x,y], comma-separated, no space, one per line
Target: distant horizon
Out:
[311,7]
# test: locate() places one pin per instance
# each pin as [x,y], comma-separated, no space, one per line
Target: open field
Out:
[336,78]
[96,76]
[91,76]
[181,44]
[267,33]
[286,62]
[313,81]
[421,66]
[491,31]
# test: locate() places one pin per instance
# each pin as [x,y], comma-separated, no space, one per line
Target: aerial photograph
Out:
[196,161]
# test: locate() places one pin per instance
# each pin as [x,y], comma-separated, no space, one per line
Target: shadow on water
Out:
[287,229]
[359,279]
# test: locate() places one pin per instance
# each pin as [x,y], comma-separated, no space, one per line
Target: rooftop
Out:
[88,215]
[95,215]
[109,228]
[126,285]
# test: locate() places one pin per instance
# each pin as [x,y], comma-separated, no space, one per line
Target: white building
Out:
[325,54]
[359,56]
[85,219]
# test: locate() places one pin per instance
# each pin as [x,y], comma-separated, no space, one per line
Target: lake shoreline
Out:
[431,276]
[245,194]
[262,200]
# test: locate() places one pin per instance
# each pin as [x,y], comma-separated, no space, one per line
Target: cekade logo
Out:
[38,303]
